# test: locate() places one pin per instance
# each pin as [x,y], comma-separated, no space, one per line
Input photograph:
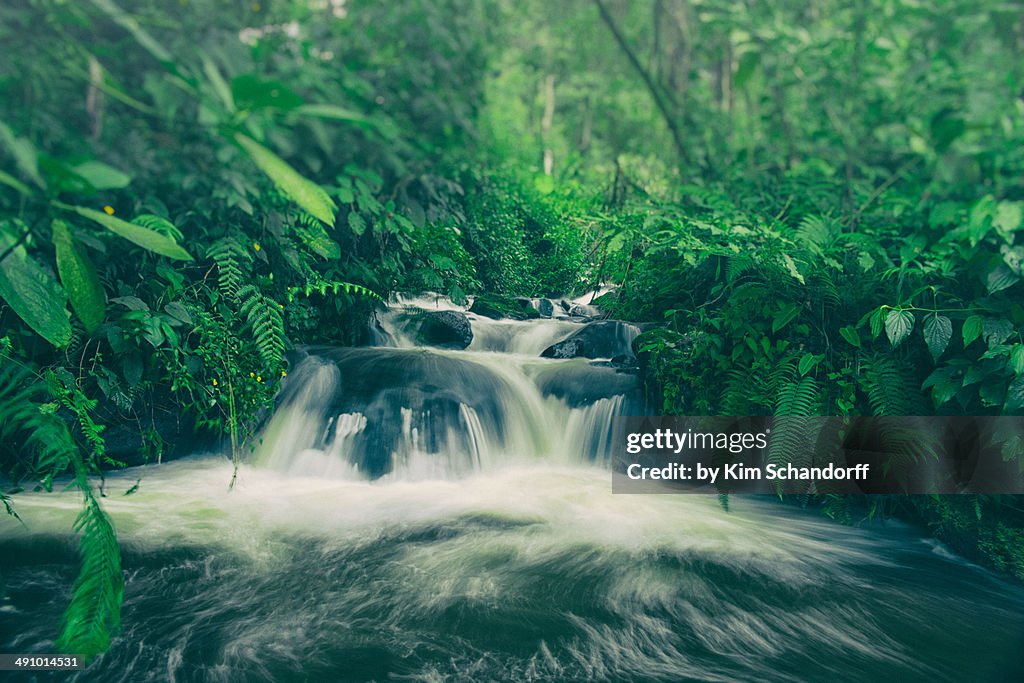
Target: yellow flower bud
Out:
[109,210]
[214,382]
[256,246]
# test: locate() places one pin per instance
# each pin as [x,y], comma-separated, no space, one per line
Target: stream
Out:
[419,513]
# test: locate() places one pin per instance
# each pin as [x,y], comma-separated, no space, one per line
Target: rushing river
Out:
[431,515]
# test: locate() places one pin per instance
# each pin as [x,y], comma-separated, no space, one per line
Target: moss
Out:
[499,306]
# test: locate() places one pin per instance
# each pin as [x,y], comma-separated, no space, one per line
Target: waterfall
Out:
[402,411]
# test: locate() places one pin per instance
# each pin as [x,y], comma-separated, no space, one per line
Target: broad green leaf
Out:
[298,188]
[34,295]
[78,275]
[252,92]
[1000,277]
[850,334]
[938,330]
[785,316]
[898,325]
[144,237]
[1008,216]
[972,329]
[877,322]
[807,362]
[996,330]
[101,176]
[1017,359]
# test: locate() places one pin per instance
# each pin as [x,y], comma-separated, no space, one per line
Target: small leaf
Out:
[850,334]
[898,325]
[972,329]
[34,295]
[297,187]
[78,275]
[144,237]
[938,330]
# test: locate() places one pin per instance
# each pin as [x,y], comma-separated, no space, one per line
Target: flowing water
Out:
[422,514]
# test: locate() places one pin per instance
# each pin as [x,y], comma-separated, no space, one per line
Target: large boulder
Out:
[602,339]
[447,329]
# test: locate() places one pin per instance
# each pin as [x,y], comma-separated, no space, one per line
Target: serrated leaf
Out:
[972,329]
[315,237]
[78,275]
[102,176]
[34,295]
[1000,277]
[898,325]
[144,237]
[996,330]
[356,223]
[297,187]
[850,334]
[938,330]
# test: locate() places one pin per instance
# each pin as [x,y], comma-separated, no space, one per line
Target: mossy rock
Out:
[497,306]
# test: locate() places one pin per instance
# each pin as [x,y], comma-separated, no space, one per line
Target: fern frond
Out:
[94,613]
[228,255]
[889,388]
[263,316]
[335,288]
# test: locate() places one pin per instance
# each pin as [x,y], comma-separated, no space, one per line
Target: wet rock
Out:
[546,308]
[567,348]
[602,339]
[447,329]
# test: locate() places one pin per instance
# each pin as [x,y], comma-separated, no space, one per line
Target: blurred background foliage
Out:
[821,202]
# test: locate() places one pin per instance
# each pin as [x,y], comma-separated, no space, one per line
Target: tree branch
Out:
[652,87]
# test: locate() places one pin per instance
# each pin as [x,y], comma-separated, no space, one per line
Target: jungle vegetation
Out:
[821,201]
